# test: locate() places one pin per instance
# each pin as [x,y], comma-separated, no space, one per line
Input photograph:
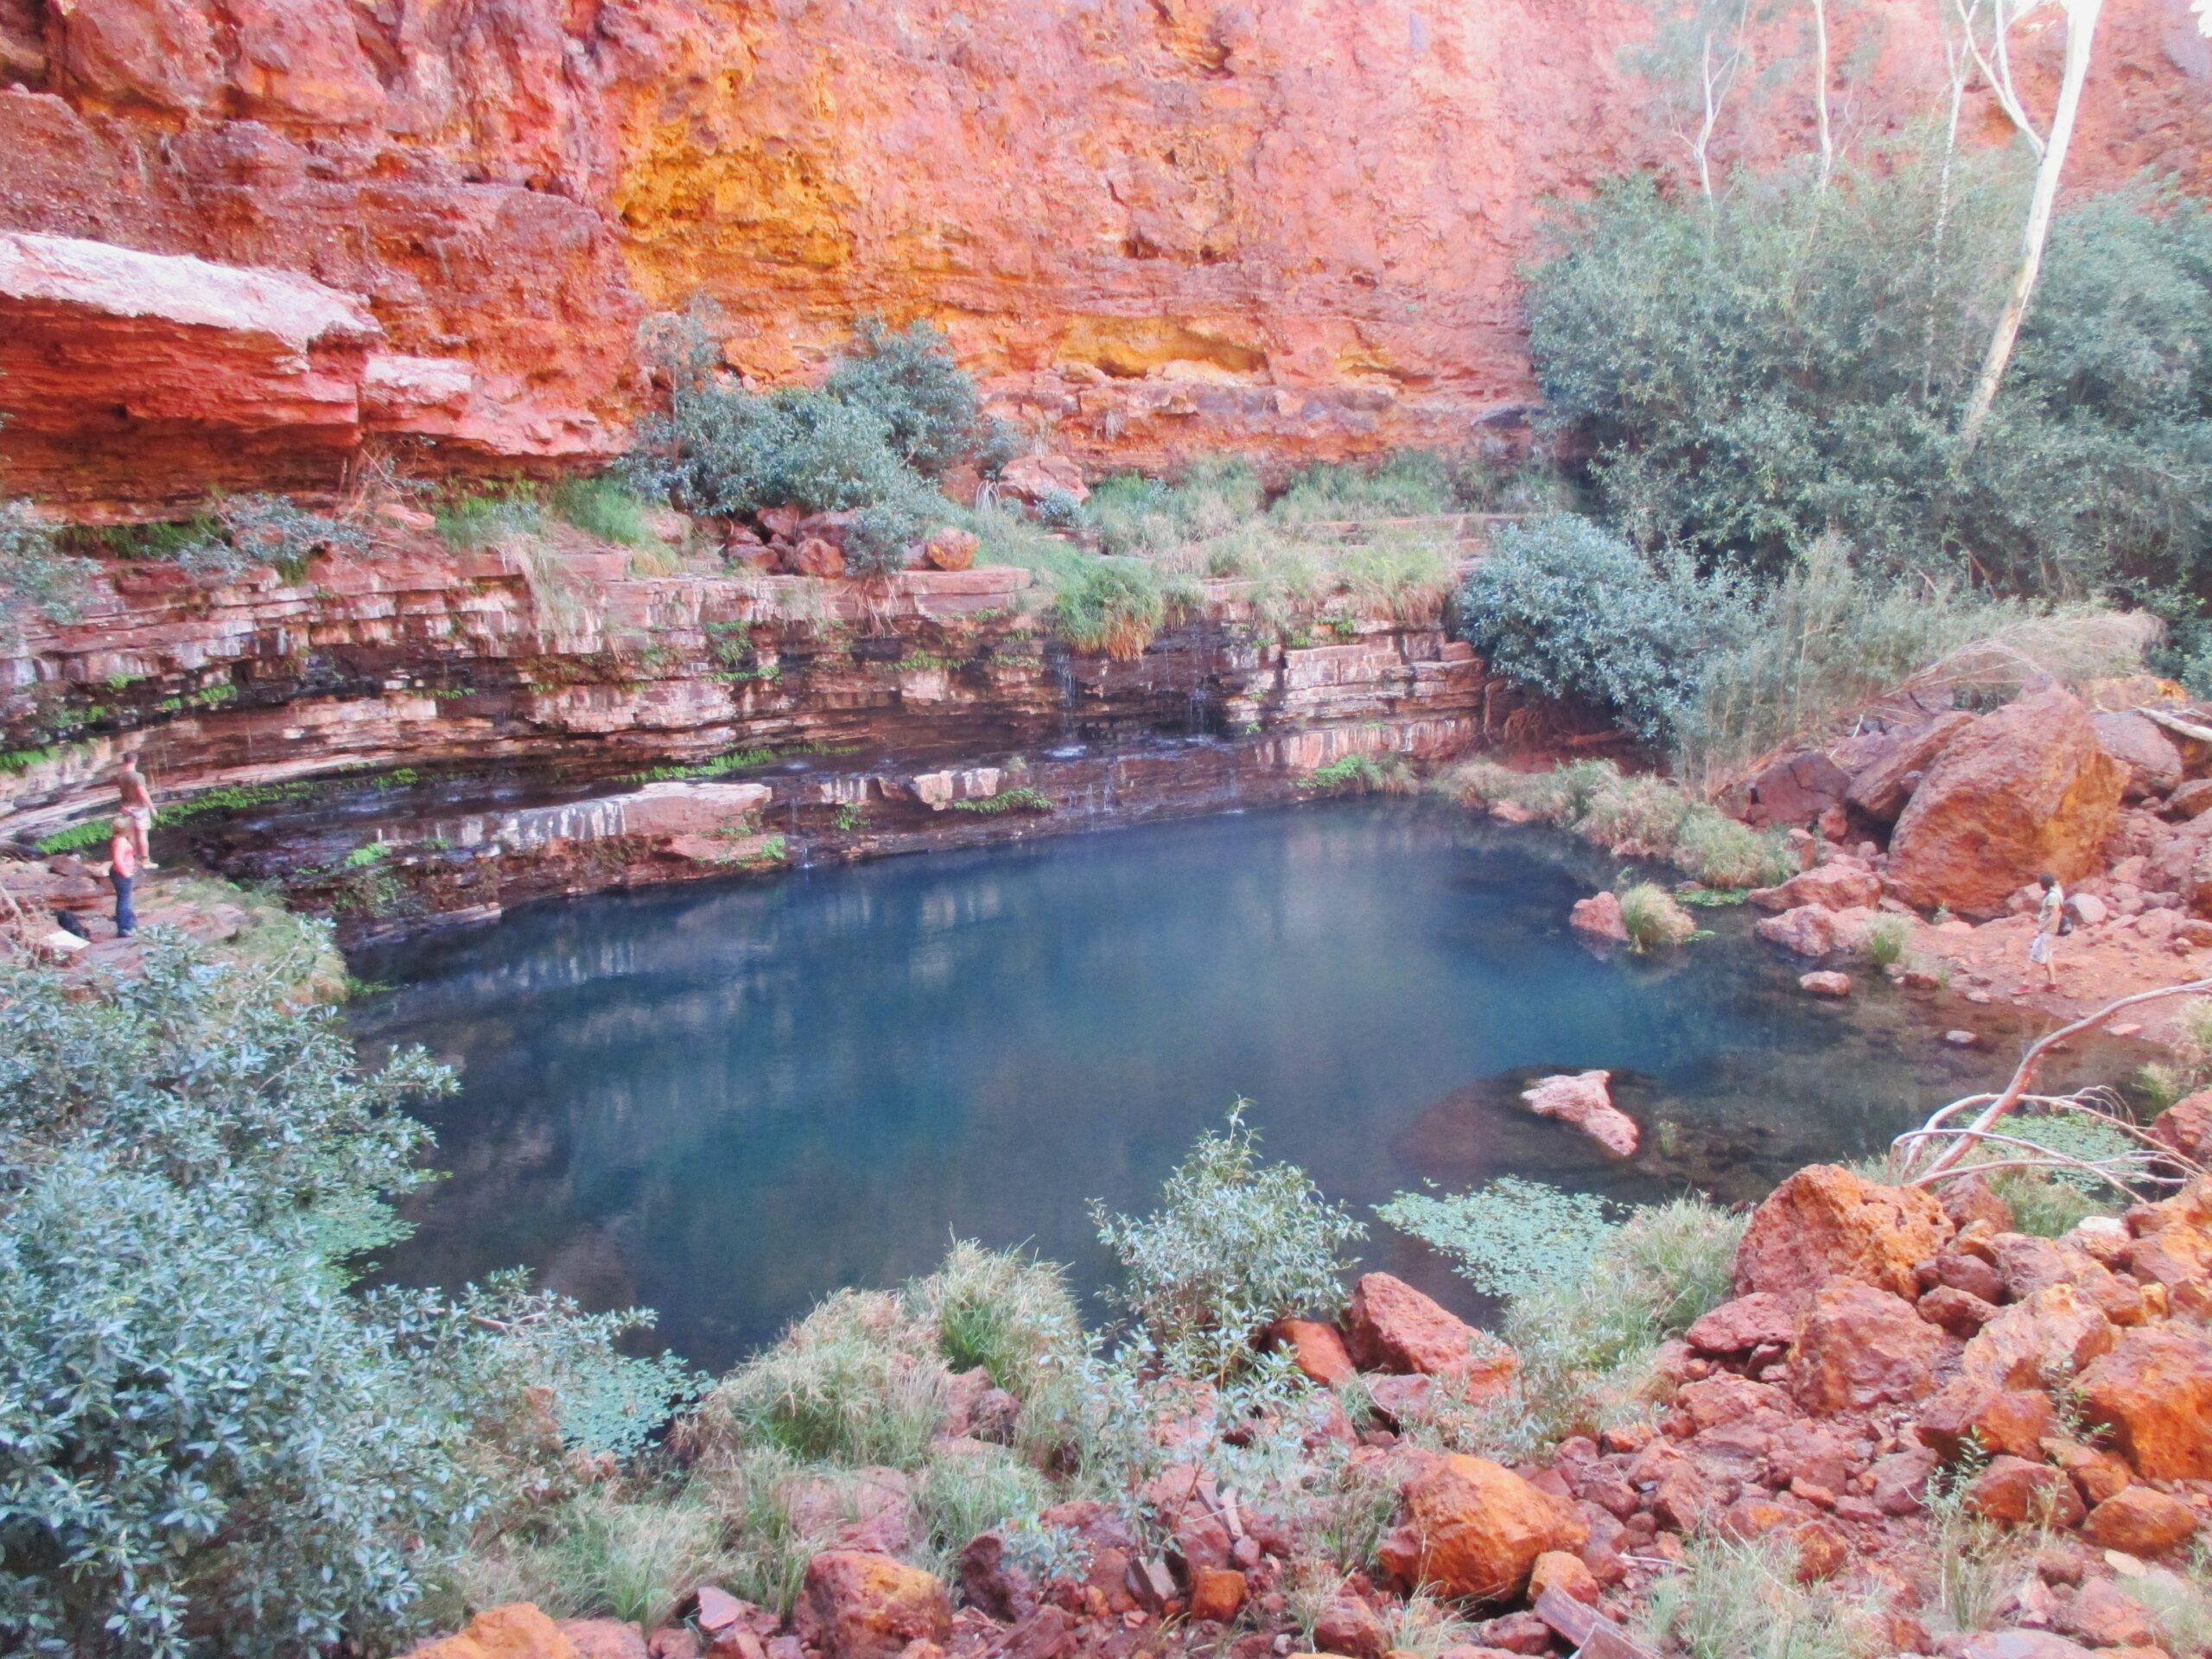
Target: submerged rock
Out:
[1582,1100]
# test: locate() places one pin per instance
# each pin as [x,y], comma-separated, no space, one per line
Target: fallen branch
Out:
[2016,1091]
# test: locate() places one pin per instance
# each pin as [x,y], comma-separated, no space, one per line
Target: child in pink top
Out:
[123,870]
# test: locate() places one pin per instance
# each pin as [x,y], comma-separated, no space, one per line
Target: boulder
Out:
[2186,1126]
[1839,884]
[1565,1573]
[951,548]
[2191,800]
[1599,917]
[1825,1221]
[1959,1312]
[2154,1391]
[1748,1322]
[1390,1326]
[1833,986]
[1794,790]
[2022,790]
[2140,1520]
[514,1629]
[857,1605]
[613,1638]
[2152,763]
[1349,1626]
[2104,1616]
[1808,930]
[2097,1474]
[819,558]
[2015,1421]
[1316,1349]
[2053,1334]
[1582,1101]
[1034,478]
[1862,1347]
[1470,1529]
[1880,787]
[2014,1492]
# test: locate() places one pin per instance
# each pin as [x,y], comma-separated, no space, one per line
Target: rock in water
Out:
[2025,790]
[1600,916]
[1582,1100]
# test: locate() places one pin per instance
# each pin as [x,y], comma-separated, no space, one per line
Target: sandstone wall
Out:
[1154,225]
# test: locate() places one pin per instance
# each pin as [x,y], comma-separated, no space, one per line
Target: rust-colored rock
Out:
[1746,1323]
[2097,1474]
[951,550]
[1808,930]
[515,1630]
[1862,1347]
[819,558]
[1390,1326]
[2140,745]
[2186,1126]
[2025,790]
[1966,1413]
[2154,1391]
[1471,1528]
[1349,1626]
[1565,1573]
[2141,1522]
[1959,1312]
[2052,1334]
[1316,1349]
[2015,1492]
[1882,785]
[1217,1594]
[184,375]
[1839,884]
[1826,1221]
[612,1639]
[1598,917]
[856,1606]
[1582,1101]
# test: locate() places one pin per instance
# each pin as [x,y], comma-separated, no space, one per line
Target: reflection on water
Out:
[724,1102]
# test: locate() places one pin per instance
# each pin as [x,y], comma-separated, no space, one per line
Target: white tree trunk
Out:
[2081,30]
[1821,98]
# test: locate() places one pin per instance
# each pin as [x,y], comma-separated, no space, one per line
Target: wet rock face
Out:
[1169,228]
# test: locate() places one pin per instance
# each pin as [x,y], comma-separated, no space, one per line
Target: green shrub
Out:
[1754,372]
[605,507]
[1723,853]
[602,1556]
[1404,484]
[1571,610]
[1886,941]
[201,1430]
[1509,1234]
[38,580]
[1360,774]
[1652,918]
[1111,606]
[908,380]
[962,1495]
[1236,1244]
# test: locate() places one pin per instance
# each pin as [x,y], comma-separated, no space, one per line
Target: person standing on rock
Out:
[2048,915]
[122,865]
[137,807]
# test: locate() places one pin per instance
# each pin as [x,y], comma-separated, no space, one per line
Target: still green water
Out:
[725,1101]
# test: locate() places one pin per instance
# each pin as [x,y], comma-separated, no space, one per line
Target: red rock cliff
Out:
[1154,225]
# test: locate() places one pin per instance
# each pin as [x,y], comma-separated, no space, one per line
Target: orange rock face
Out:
[516,1629]
[2025,790]
[1472,1528]
[1824,1221]
[1162,228]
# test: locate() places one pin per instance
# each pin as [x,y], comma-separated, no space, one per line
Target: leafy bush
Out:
[1236,1244]
[1113,606]
[1787,361]
[1571,610]
[907,378]
[205,1443]
[1360,774]
[605,507]
[1509,1235]
[38,580]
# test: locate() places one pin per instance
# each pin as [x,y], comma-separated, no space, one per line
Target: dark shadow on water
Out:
[723,1102]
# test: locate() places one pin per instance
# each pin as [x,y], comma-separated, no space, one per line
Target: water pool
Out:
[725,1101]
